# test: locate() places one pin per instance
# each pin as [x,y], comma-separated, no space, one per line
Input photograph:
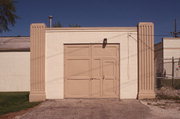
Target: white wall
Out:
[171,48]
[14,71]
[55,40]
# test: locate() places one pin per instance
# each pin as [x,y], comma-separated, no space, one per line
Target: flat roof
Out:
[11,43]
[171,38]
[132,29]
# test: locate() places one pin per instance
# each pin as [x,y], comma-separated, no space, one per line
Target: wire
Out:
[152,35]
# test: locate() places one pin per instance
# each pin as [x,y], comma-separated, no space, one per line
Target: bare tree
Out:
[74,25]
[57,24]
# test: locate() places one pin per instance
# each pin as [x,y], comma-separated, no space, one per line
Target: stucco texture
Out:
[54,57]
[14,71]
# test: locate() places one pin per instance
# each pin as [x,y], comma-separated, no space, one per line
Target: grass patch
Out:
[15,101]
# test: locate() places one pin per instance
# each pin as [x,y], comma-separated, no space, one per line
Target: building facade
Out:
[92,62]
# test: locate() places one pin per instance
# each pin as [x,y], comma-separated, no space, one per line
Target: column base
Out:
[146,95]
[37,97]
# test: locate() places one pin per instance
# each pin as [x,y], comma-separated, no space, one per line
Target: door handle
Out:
[103,77]
[93,78]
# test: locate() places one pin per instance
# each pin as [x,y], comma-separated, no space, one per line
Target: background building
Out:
[167,57]
[167,63]
[14,64]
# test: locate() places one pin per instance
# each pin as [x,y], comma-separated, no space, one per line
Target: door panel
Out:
[77,50]
[81,67]
[96,88]
[77,88]
[96,78]
[109,78]
[77,71]
[108,51]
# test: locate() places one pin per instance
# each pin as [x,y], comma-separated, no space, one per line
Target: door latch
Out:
[103,77]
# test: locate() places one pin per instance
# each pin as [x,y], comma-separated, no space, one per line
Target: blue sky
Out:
[96,13]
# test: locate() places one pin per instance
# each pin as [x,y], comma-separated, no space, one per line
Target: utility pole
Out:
[175,33]
[173,72]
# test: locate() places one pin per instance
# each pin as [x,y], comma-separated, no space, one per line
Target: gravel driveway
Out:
[91,109]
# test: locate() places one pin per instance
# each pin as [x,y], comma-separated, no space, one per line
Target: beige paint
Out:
[171,47]
[136,58]
[146,60]
[37,63]
[97,75]
[14,71]
[57,37]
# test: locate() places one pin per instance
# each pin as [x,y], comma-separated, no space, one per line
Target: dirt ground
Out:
[100,109]
[14,114]
[165,109]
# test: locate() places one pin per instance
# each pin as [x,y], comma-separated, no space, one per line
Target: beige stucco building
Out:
[92,62]
[164,52]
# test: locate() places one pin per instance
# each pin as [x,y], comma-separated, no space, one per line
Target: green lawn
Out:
[14,101]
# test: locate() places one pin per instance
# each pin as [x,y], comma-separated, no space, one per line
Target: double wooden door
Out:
[91,71]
